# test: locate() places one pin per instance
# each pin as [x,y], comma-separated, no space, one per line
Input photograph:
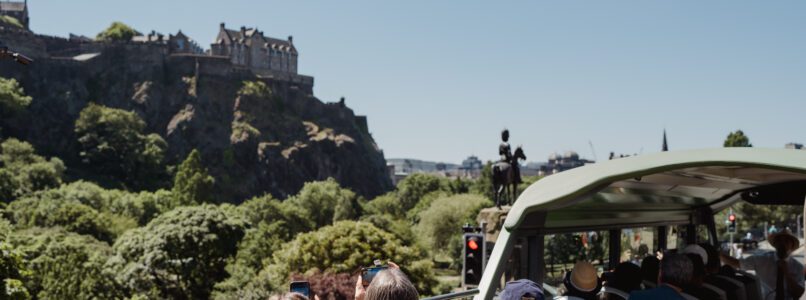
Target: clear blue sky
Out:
[439,79]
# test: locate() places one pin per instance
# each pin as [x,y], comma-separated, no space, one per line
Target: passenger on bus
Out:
[390,284]
[675,272]
[734,289]
[624,279]
[582,282]
[777,270]
[697,286]
[650,267]
[521,289]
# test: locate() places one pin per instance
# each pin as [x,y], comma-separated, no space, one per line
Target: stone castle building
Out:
[179,43]
[248,47]
[16,10]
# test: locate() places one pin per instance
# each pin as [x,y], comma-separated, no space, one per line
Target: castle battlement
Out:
[244,51]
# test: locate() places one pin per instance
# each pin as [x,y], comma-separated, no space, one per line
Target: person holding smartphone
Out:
[387,284]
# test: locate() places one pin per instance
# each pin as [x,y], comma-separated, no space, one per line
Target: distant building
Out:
[557,163]
[794,146]
[471,167]
[179,43]
[248,47]
[16,10]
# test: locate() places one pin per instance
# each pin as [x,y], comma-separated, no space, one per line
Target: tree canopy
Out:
[180,254]
[12,97]
[325,202]
[66,265]
[117,31]
[192,183]
[114,143]
[23,172]
[345,247]
[737,139]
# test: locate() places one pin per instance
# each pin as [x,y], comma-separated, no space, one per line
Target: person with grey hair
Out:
[675,272]
[390,284]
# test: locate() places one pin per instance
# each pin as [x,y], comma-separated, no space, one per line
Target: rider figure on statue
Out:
[505,151]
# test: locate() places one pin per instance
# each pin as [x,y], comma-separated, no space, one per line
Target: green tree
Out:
[325,202]
[269,210]
[440,225]
[343,248]
[22,172]
[66,265]
[737,139]
[258,245]
[12,97]
[180,254]
[112,141]
[411,189]
[192,183]
[41,210]
[117,31]
[13,272]
[484,184]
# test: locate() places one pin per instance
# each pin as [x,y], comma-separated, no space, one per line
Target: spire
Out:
[665,145]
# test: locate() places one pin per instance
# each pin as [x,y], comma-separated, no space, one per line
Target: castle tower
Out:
[17,10]
[665,146]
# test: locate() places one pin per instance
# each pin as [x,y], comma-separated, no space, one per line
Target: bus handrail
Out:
[455,295]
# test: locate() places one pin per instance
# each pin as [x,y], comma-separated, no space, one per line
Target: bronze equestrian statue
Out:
[506,172]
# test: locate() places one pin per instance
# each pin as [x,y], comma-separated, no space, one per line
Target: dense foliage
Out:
[114,143]
[192,184]
[117,31]
[737,139]
[180,254]
[23,172]
[12,97]
[129,232]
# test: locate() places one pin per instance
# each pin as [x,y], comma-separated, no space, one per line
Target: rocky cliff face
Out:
[252,144]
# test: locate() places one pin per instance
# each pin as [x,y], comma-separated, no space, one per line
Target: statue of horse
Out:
[504,178]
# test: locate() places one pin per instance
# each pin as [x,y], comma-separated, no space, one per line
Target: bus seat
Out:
[752,285]
[649,284]
[688,297]
[734,289]
[614,291]
[722,294]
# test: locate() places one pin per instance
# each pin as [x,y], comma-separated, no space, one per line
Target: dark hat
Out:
[515,290]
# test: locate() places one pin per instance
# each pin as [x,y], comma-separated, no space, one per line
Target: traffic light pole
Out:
[730,232]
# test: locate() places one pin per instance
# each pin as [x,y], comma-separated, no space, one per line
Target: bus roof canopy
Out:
[660,188]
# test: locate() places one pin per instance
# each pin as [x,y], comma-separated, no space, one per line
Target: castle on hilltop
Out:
[249,47]
[232,51]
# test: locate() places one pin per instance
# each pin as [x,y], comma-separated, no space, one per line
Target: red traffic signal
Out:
[471,243]
[732,217]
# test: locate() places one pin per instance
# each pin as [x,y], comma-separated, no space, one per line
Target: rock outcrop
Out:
[252,144]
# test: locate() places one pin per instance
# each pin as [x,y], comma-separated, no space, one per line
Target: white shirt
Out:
[766,267]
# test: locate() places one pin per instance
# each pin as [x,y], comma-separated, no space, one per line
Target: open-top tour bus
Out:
[683,189]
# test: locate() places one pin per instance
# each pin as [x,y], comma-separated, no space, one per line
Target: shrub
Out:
[117,31]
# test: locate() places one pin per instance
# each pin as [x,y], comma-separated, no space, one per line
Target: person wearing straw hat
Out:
[582,282]
[777,269]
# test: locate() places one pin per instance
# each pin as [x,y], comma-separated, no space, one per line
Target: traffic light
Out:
[473,253]
[732,223]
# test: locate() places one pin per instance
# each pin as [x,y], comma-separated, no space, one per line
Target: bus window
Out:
[563,250]
[637,243]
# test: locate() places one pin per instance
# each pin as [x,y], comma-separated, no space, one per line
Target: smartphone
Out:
[302,287]
[367,274]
